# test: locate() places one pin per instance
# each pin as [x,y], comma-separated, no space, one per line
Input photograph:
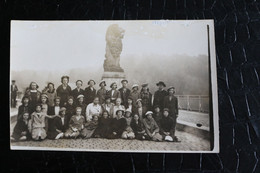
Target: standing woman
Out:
[114,93]
[101,93]
[33,93]
[77,91]
[64,90]
[51,93]
[90,92]
[146,97]
[135,94]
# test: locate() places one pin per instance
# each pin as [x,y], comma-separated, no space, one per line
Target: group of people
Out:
[111,114]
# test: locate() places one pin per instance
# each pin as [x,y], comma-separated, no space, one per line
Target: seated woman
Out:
[117,107]
[167,127]
[118,125]
[151,127]
[138,128]
[90,127]
[21,131]
[76,124]
[93,109]
[37,123]
[128,132]
[103,126]
[80,103]
[59,126]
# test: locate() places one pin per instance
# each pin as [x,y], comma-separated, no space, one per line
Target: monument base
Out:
[111,77]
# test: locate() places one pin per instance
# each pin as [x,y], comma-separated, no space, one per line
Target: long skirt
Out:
[38,132]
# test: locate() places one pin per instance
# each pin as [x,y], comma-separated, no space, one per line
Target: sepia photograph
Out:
[114,86]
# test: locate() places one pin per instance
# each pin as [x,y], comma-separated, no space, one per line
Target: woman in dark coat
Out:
[70,108]
[103,126]
[21,131]
[171,102]
[138,128]
[118,125]
[159,95]
[34,94]
[90,92]
[64,90]
[60,125]
[24,108]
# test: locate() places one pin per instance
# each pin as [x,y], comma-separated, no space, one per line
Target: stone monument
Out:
[112,70]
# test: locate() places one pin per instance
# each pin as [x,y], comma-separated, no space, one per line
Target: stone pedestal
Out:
[111,77]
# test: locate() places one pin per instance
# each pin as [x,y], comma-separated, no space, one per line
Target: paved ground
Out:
[194,117]
[189,142]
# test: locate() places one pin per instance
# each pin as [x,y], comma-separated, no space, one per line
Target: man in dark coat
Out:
[171,102]
[159,95]
[77,91]
[14,90]
[90,92]
[124,92]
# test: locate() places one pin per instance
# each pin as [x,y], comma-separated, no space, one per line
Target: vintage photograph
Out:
[114,86]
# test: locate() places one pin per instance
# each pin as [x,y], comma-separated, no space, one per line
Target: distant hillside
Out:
[188,74]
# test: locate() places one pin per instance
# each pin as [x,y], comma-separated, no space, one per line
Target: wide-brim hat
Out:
[161,83]
[112,84]
[139,100]
[120,110]
[62,109]
[102,82]
[91,80]
[80,96]
[145,85]
[171,87]
[44,95]
[124,80]
[135,85]
[148,113]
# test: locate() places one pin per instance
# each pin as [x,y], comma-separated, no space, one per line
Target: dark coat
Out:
[14,90]
[146,101]
[89,95]
[33,97]
[167,124]
[103,128]
[172,105]
[157,118]
[115,95]
[70,111]
[63,94]
[117,126]
[101,93]
[159,98]
[23,109]
[57,124]
[124,95]
[75,93]
[19,128]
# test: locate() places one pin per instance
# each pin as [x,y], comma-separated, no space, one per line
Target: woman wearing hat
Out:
[113,93]
[60,125]
[151,127]
[171,102]
[90,92]
[51,93]
[78,90]
[33,93]
[124,92]
[135,94]
[64,90]
[101,93]
[80,103]
[117,125]
[128,132]
[146,97]
[159,95]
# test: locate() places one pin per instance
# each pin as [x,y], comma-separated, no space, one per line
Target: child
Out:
[118,125]
[157,116]
[90,127]
[76,124]
[24,108]
[138,128]
[151,127]
[103,126]
[37,123]
[167,127]
[128,133]
[21,131]
[70,108]
[60,125]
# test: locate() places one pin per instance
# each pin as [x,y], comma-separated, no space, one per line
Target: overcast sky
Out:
[62,45]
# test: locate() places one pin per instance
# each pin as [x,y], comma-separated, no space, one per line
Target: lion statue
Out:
[114,36]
